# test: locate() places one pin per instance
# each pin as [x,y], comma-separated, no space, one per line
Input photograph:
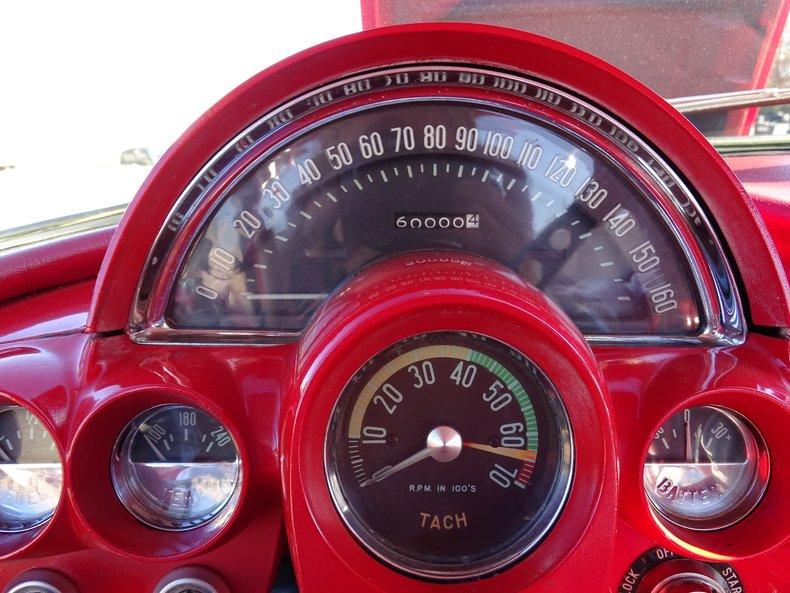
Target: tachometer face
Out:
[449,455]
[428,174]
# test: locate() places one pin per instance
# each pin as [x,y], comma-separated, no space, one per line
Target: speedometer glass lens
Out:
[449,455]
[423,174]
[176,467]
[31,473]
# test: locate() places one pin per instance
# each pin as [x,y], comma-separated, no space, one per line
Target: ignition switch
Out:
[662,571]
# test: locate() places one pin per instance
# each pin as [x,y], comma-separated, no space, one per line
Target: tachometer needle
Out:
[386,472]
[521,454]
[443,444]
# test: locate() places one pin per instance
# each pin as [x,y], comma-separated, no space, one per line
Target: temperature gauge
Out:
[31,474]
[706,468]
[175,467]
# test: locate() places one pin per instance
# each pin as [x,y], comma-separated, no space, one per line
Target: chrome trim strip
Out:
[60,228]
[737,145]
[723,322]
[733,100]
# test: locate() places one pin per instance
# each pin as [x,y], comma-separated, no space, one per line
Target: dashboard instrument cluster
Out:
[436,306]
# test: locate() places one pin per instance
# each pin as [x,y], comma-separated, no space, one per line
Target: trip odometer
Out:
[449,455]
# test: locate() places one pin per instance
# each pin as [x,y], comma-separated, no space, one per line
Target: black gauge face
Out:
[702,468]
[31,473]
[427,175]
[175,467]
[449,455]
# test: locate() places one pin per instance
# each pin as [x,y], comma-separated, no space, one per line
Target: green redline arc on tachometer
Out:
[463,440]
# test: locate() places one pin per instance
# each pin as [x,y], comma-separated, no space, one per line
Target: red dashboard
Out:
[434,306]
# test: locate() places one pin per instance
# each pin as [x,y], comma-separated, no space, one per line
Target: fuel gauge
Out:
[703,468]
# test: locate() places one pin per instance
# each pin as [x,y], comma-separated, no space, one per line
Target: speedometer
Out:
[428,175]
[279,223]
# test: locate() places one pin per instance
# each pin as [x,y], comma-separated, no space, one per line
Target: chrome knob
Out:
[690,584]
[187,585]
[191,580]
[41,581]
[683,576]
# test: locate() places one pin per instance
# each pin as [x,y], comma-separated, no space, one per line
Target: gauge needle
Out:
[687,422]
[703,445]
[389,470]
[157,452]
[442,444]
[504,451]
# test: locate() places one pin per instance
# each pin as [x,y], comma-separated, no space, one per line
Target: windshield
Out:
[95,92]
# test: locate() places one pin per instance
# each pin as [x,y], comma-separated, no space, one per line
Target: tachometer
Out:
[472,470]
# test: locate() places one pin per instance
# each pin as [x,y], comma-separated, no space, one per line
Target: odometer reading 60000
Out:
[428,174]
[449,455]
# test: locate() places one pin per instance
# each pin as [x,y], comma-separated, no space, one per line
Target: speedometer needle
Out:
[443,444]
[521,454]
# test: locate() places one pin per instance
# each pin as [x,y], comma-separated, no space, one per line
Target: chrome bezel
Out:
[756,456]
[128,492]
[187,585]
[722,320]
[552,510]
[34,587]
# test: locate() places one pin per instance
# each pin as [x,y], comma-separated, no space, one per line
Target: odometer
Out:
[449,455]
[427,174]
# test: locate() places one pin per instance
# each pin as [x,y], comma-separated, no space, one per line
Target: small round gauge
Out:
[31,473]
[449,455]
[703,469]
[175,467]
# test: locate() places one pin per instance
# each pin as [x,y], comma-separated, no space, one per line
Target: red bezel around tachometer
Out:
[423,293]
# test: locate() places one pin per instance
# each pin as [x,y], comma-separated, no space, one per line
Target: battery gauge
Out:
[706,468]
